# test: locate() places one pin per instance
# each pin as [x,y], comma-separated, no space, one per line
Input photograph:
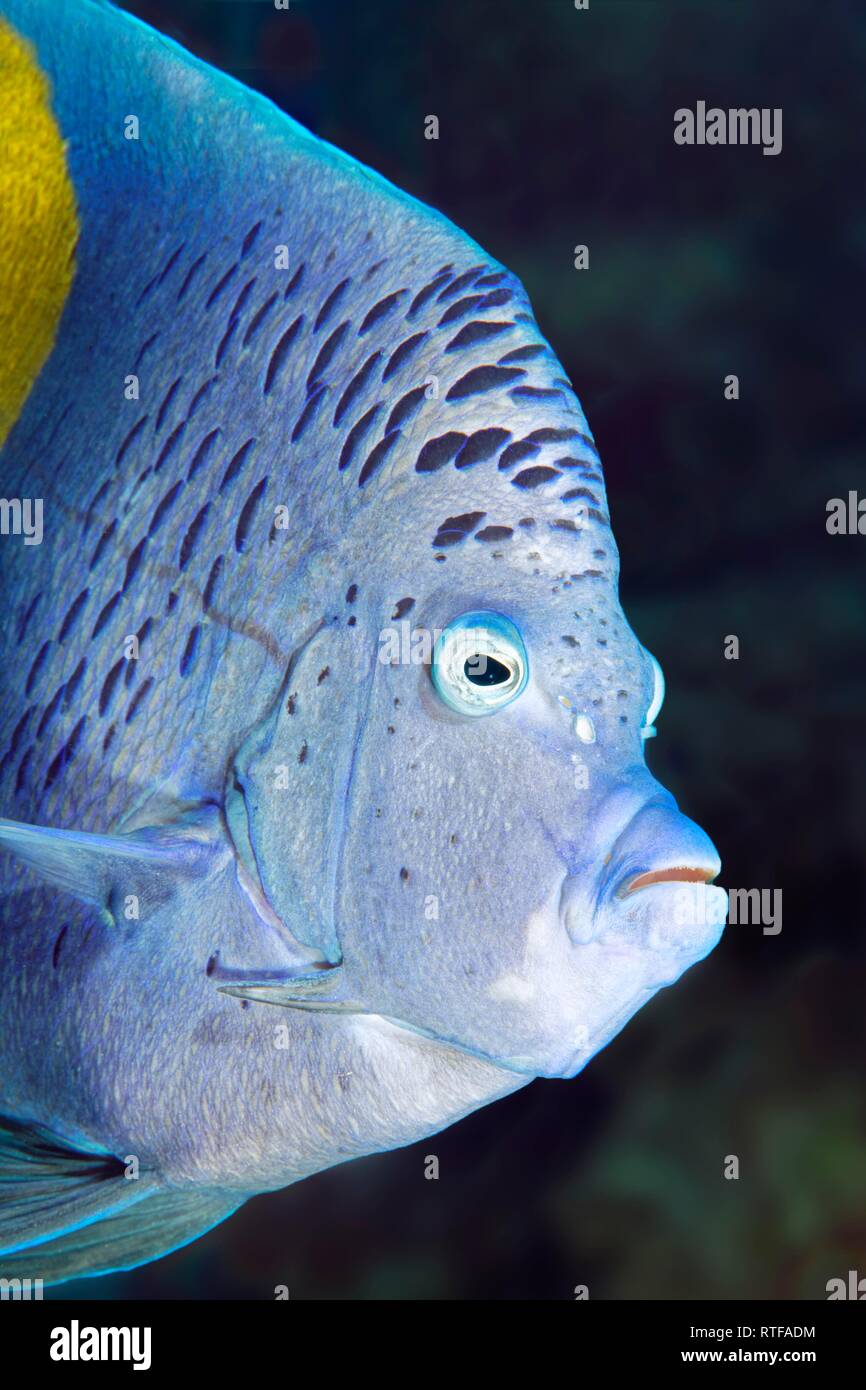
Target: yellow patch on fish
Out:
[38,224]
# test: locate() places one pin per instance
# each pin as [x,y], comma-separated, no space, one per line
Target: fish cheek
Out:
[445,866]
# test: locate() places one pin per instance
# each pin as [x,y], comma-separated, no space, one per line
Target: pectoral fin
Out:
[102,869]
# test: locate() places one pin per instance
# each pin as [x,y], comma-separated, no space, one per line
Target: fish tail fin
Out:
[66,1212]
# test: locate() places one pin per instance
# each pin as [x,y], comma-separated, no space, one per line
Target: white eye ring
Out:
[479,663]
[657,700]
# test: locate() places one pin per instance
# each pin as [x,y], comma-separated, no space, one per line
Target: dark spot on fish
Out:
[495,278]
[164,507]
[109,684]
[377,456]
[202,452]
[212,963]
[23,768]
[518,451]
[212,582]
[523,354]
[49,713]
[220,286]
[333,299]
[391,729]
[481,446]
[31,609]
[426,293]
[405,408]
[158,278]
[461,283]
[225,341]
[482,379]
[55,954]
[18,734]
[133,563]
[166,404]
[404,874]
[460,309]
[534,477]
[128,441]
[564,523]
[72,613]
[356,385]
[381,310]
[280,353]
[109,738]
[190,540]
[290,704]
[323,674]
[65,756]
[437,452]
[351,621]
[456,528]
[356,434]
[351,593]
[575,492]
[187,660]
[105,614]
[494,533]
[601,642]
[247,513]
[236,464]
[250,239]
[479,331]
[240,302]
[302,756]
[404,606]
[496,298]
[169,446]
[138,697]
[440,559]
[309,411]
[145,347]
[258,319]
[326,352]
[535,393]
[569,640]
[402,353]
[295,280]
[171,601]
[190,276]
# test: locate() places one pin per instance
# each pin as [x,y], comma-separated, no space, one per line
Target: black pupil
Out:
[485,670]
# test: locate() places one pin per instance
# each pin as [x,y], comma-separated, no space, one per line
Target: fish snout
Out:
[656,893]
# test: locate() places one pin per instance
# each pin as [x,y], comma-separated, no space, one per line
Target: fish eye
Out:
[657,700]
[479,663]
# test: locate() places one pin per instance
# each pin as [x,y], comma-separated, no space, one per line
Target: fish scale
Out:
[349,432]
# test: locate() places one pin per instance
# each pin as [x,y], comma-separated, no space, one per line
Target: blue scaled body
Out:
[289,874]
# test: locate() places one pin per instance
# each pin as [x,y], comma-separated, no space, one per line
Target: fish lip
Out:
[675,873]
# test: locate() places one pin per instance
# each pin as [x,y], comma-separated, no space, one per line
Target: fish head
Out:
[512,878]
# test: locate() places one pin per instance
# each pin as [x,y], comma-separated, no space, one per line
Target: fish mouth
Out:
[683,873]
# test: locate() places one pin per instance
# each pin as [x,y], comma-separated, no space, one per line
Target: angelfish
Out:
[276,893]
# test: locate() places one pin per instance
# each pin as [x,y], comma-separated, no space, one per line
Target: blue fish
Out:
[327,816]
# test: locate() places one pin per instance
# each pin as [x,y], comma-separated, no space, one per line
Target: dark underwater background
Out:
[556,129]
